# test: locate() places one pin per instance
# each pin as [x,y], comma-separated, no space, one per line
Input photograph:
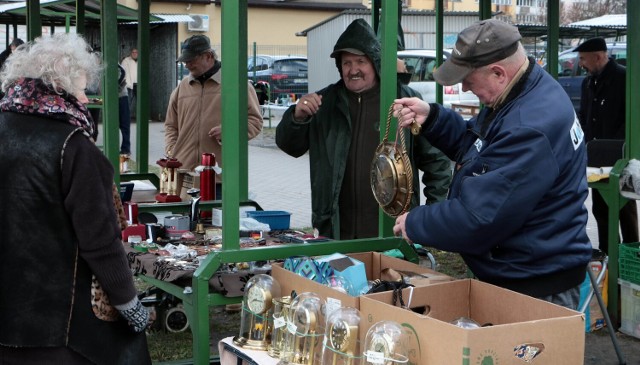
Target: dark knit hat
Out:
[194,46]
[480,44]
[592,45]
[17,42]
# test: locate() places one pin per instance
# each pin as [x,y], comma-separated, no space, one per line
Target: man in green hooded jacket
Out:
[340,128]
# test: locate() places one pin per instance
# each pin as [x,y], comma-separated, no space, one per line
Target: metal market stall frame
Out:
[385,17]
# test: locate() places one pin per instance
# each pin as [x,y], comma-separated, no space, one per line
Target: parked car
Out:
[570,74]
[421,63]
[285,75]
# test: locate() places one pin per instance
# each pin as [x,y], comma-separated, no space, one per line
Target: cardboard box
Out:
[374,264]
[519,329]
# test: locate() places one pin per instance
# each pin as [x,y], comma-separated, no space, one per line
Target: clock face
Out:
[391,179]
[380,343]
[258,299]
[304,320]
[339,335]
[383,180]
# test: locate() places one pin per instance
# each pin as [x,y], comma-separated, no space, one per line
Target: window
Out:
[620,55]
[261,64]
[567,63]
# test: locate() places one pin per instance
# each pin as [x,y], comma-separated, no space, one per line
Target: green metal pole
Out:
[632,151]
[375,16]
[142,90]
[633,81]
[110,84]
[234,99]
[80,9]
[485,9]
[553,26]
[34,24]
[439,46]
[235,162]
[388,33]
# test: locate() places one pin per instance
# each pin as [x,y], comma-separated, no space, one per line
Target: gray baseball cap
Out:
[480,44]
[193,47]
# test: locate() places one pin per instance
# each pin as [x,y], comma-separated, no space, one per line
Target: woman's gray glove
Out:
[136,314]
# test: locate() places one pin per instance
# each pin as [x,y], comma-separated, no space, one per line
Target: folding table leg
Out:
[603,308]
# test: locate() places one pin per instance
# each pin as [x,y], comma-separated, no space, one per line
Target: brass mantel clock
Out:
[257,309]
[341,337]
[391,174]
[385,344]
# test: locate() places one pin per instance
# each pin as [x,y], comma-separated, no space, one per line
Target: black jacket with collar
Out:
[602,103]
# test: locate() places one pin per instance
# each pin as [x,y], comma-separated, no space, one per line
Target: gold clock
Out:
[391,174]
[305,321]
[340,335]
[257,309]
[380,349]
[258,299]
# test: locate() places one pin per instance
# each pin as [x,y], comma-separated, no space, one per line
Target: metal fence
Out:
[271,50]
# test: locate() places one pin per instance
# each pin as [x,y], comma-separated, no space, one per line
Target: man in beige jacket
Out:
[193,124]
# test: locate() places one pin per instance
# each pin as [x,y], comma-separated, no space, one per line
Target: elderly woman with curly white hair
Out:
[60,237]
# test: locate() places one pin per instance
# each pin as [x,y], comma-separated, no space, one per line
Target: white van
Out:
[421,63]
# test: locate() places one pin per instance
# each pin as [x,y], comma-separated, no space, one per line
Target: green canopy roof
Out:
[55,12]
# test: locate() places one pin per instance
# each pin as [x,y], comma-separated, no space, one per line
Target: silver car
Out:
[421,63]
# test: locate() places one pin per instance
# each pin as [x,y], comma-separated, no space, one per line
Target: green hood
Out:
[358,37]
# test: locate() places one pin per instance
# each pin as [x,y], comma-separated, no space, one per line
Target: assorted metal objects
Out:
[391,173]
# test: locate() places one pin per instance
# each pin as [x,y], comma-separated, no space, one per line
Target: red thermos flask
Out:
[208,180]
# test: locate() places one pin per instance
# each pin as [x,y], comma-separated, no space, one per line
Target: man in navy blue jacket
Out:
[515,210]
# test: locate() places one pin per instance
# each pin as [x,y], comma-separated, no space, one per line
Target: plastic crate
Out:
[630,308]
[276,219]
[630,262]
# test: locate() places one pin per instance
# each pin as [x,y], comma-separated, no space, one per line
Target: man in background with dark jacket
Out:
[7,52]
[603,116]
[12,46]
[340,128]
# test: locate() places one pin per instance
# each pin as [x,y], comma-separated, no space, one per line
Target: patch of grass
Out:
[450,263]
[167,346]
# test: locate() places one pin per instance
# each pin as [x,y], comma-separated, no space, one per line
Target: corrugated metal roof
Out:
[53,12]
[173,18]
[609,20]
[18,4]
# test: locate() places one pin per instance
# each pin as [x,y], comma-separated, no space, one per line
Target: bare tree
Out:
[574,12]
